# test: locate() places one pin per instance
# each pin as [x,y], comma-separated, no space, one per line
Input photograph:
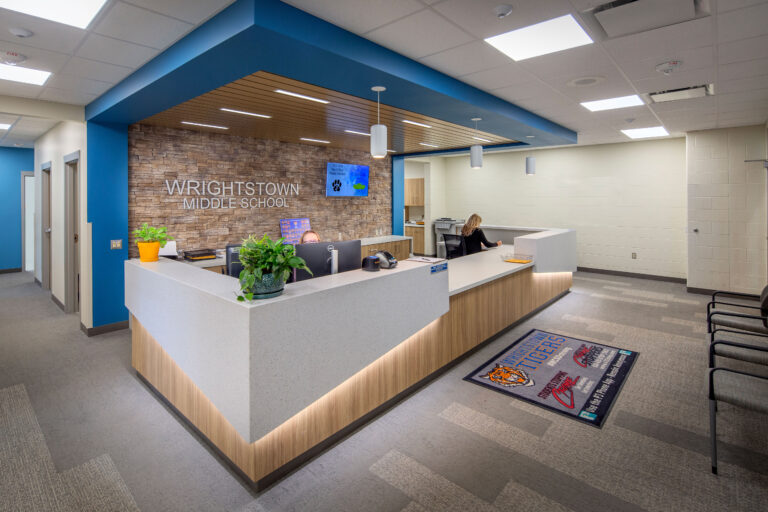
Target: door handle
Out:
[48,230]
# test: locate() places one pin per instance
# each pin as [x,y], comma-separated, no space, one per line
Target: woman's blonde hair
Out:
[473,222]
[308,232]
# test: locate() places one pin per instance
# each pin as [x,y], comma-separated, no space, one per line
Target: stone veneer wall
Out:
[157,154]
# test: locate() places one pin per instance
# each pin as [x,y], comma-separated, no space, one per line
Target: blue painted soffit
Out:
[268,35]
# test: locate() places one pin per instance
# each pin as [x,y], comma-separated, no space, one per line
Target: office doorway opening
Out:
[72,237]
[45,225]
[28,221]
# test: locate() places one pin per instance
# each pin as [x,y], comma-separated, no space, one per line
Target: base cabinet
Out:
[418,238]
[400,250]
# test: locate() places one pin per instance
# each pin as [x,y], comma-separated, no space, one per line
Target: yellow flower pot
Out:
[148,251]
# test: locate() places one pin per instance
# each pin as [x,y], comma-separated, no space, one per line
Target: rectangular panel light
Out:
[316,140]
[612,103]
[540,39]
[245,113]
[416,124]
[77,14]
[4,126]
[302,96]
[205,125]
[481,139]
[428,145]
[23,75]
[644,133]
[358,133]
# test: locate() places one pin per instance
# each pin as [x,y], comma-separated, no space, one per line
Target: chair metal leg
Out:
[713,433]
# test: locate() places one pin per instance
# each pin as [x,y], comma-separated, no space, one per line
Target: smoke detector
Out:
[669,67]
[502,11]
[20,32]
[11,58]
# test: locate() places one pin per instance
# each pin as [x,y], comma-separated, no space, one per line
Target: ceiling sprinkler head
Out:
[11,58]
[669,67]
[502,11]
[20,32]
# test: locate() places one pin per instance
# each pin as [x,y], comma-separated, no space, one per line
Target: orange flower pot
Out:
[148,251]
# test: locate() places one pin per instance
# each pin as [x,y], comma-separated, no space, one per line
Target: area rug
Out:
[578,378]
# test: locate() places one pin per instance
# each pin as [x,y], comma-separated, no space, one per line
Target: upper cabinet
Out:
[414,192]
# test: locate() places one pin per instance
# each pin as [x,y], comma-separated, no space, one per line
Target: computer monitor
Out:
[318,258]
[234,267]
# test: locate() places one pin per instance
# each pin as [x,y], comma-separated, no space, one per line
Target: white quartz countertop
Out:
[383,239]
[215,262]
[470,271]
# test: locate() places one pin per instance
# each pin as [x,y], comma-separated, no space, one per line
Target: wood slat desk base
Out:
[474,316]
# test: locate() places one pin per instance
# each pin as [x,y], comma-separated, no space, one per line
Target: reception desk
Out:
[269,383]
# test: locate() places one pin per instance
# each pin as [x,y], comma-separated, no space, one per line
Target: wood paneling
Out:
[474,316]
[414,192]
[400,250]
[293,118]
[418,238]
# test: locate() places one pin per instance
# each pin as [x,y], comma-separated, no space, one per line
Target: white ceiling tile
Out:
[67,96]
[661,42]
[584,60]
[100,71]
[419,35]
[496,78]
[16,142]
[8,119]
[744,69]
[743,84]
[140,26]
[613,85]
[729,5]
[356,16]
[38,125]
[690,59]
[8,88]
[532,89]
[742,23]
[743,50]
[191,11]
[704,104]
[468,58]
[478,18]
[113,51]
[76,83]
[757,96]
[37,58]
[677,80]
[48,35]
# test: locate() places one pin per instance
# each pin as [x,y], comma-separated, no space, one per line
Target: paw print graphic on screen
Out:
[336,185]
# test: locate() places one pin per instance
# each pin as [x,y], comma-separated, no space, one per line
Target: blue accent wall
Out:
[108,213]
[398,194]
[12,162]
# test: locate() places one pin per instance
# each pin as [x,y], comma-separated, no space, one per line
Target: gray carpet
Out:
[451,446]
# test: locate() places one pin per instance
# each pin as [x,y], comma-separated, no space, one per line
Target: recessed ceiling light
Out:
[77,14]
[205,125]
[644,133]
[612,103]
[540,39]
[428,145]
[23,75]
[481,139]
[417,124]
[358,133]
[4,126]
[316,140]
[245,113]
[302,96]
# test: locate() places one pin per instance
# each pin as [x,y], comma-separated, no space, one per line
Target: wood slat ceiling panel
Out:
[294,118]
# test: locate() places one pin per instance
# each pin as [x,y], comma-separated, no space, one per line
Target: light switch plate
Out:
[115,244]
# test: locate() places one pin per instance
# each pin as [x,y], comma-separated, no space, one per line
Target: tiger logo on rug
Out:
[508,377]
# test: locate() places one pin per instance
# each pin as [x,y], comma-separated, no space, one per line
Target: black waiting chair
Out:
[725,313]
[454,246]
[234,267]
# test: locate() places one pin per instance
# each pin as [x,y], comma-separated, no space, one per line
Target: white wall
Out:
[65,138]
[620,199]
[727,204]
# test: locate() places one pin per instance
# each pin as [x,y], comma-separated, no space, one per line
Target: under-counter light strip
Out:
[358,133]
[23,75]
[316,140]
[245,113]
[416,124]
[205,125]
[302,96]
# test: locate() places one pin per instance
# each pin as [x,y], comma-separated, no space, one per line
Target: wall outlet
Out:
[115,244]
[634,255]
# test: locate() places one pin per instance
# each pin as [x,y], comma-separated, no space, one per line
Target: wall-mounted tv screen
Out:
[346,180]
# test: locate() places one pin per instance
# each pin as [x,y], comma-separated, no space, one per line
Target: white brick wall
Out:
[727,204]
[620,199]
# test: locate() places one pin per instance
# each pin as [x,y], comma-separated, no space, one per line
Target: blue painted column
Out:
[12,162]
[398,194]
[108,214]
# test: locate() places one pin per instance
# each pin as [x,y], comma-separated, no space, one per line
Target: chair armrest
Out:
[741,333]
[735,294]
[712,374]
[730,313]
[716,302]
[735,344]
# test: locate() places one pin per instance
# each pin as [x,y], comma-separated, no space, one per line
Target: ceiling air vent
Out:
[624,17]
[686,93]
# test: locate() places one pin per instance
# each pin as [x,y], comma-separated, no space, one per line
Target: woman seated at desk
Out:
[474,236]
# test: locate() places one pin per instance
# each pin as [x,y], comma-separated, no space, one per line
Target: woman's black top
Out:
[473,241]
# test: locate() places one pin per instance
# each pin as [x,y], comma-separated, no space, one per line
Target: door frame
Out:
[45,231]
[72,224]
[24,176]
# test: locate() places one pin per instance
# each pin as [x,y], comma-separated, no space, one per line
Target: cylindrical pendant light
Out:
[476,151]
[378,131]
[530,165]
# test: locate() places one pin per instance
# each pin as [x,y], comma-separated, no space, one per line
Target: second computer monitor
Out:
[318,257]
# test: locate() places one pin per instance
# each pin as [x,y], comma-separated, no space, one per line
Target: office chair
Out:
[234,267]
[454,246]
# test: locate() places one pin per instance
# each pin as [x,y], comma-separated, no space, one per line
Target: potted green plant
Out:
[266,266]
[150,239]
